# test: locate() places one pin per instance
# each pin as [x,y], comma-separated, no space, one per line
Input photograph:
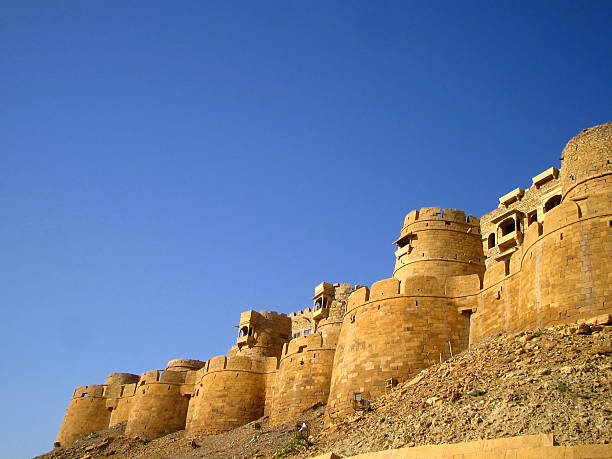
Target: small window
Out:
[507,226]
[296,335]
[308,331]
[491,241]
[284,336]
[552,203]
[357,397]
[85,395]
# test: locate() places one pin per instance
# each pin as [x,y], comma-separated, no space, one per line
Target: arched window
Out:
[244,331]
[552,203]
[491,241]
[507,226]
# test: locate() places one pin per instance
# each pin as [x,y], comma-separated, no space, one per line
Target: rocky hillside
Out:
[549,381]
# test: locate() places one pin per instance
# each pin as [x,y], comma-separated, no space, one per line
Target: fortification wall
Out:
[304,375]
[118,379]
[86,413]
[440,244]
[561,274]
[548,257]
[119,400]
[303,378]
[391,333]
[227,393]
[159,406]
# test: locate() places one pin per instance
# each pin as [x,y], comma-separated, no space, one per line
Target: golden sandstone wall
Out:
[391,332]
[161,400]
[541,258]
[227,394]
[304,375]
[86,413]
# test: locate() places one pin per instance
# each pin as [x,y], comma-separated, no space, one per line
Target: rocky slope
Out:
[550,381]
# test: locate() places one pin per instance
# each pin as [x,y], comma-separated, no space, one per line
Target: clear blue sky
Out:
[167,165]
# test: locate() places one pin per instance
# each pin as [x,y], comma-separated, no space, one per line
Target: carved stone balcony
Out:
[511,239]
[244,340]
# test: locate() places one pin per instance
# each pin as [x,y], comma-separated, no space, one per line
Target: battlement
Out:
[184,364]
[115,379]
[436,213]
[94,390]
[416,286]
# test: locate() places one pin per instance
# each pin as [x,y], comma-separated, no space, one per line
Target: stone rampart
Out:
[303,378]
[389,334]
[228,393]
[86,413]
[159,406]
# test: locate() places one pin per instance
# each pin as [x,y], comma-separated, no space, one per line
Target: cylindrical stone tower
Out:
[586,162]
[160,403]
[388,335]
[86,413]
[439,244]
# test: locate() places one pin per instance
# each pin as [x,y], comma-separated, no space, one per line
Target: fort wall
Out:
[227,393]
[304,375]
[86,413]
[121,404]
[160,403]
[416,326]
[543,257]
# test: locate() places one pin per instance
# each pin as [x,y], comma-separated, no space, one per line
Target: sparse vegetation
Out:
[477,393]
[292,447]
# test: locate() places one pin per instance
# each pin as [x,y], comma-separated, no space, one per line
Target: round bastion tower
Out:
[439,244]
[86,413]
[89,409]
[586,163]
[406,323]
[234,390]
[566,260]
[160,402]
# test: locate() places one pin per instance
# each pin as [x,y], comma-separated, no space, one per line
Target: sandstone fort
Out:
[542,258]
